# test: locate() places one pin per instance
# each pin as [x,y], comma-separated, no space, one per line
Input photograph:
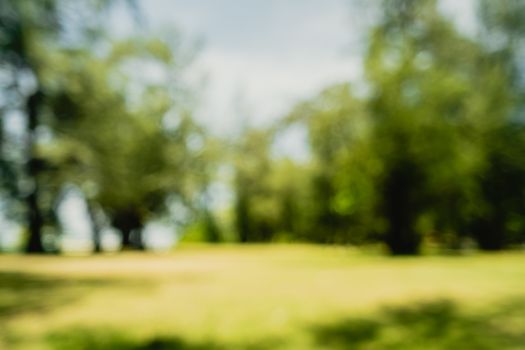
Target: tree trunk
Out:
[129,223]
[95,228]
[34,214]
[489,232]
[126,238]
[243,220]
[138,239]
[34,217]
[132,238]
[401,209]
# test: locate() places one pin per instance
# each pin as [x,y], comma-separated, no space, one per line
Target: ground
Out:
[262,297]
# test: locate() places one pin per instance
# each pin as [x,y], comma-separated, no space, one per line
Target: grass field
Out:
[262,297]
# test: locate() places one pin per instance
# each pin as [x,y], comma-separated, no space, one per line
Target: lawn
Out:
[262,297]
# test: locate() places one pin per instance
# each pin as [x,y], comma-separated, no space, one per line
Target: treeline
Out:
[430,146]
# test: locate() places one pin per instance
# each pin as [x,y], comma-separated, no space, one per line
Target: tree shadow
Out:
[98,339]
[22,293]
[84,339]
[439,324]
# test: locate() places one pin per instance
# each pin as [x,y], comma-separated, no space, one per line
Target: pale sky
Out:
[260,57]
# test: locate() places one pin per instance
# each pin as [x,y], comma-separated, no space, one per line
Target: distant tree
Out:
[405,159]
[272,200]
[501,221]
[28,30]
[132,152]
[434,97]
[22,25]
[254,212]
[340,181]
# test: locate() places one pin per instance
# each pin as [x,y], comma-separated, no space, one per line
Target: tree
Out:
[341,179]
[405,159]
[272,196]
[501,220]
[434,96]
[132,157]
[29,30]
[254,213]
[22,25]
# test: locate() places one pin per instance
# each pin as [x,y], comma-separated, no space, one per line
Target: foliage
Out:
[418,153]
[427,147]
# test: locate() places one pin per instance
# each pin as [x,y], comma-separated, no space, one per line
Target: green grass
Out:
[262,297]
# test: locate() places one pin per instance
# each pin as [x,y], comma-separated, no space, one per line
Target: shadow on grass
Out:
[440,324]
[431,325]
[85,339]
[24,292]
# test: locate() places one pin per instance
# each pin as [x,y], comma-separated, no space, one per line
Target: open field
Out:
[262,297]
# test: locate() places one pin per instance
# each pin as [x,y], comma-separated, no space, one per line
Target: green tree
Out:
[28,29]
[254,213]
[405,159]
[22,25]
[130,145]
[272,196]
[341,179]
[501,220]
[434,96]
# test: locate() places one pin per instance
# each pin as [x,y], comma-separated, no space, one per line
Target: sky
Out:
[259,57]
